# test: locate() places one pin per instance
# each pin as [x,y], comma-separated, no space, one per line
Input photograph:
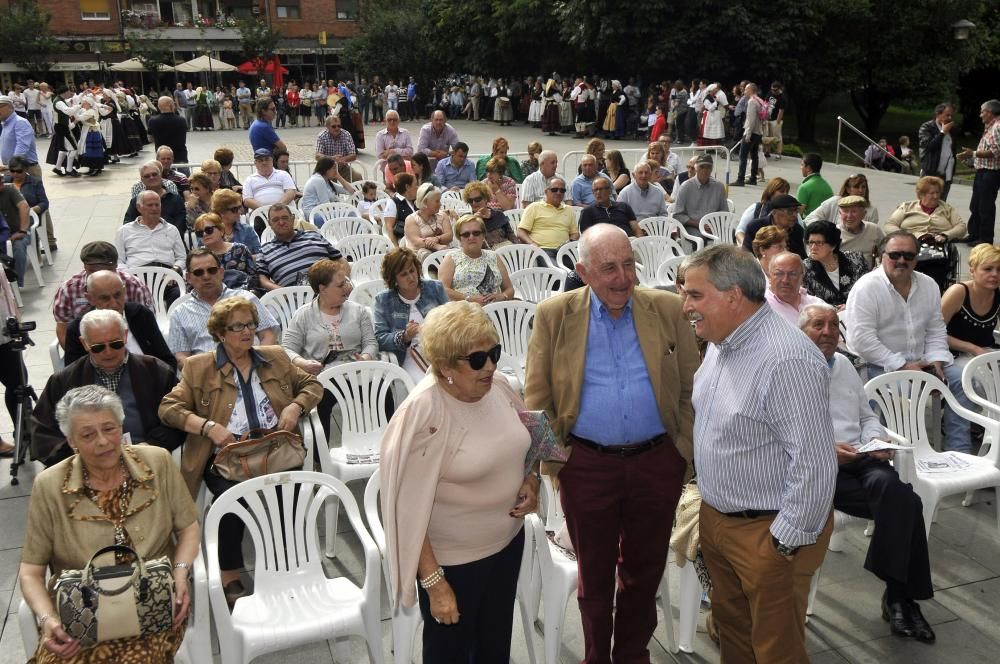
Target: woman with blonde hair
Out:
[455,491]
[428,229]
[530,165]
[768,243]
[498,229]
[229,206]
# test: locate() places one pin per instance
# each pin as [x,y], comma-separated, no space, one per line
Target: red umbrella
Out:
[248,67]
[277,72]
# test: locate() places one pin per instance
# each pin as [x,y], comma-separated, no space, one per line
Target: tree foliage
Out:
[400,37]
[25,39]
[152,53]
[258,41]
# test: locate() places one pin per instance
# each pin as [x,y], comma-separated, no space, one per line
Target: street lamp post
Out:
[100,67]
[962,29]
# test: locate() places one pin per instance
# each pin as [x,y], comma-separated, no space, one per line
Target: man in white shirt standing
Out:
[869,488]
[894,323]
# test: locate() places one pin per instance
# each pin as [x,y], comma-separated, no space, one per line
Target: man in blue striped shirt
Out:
[286,258]
[764,451]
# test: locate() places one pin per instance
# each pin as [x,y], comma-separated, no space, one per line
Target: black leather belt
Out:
[621,450]
[750,514]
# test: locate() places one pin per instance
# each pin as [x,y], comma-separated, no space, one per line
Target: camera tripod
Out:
[26,400]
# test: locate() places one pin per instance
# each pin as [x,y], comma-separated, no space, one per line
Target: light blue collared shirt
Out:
[18,138]
[449,176]
[617,402]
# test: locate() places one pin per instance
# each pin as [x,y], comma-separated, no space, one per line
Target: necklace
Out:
[124,494]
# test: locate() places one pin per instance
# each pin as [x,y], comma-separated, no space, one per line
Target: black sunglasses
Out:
[905,255]
[208,230]
[15,171]
[477,360]
[557,190]
[200,272]
[468,234]
[96,349]
[476,200]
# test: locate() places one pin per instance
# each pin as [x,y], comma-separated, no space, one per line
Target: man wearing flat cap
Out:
[699,196]
[784,213]
[856,234]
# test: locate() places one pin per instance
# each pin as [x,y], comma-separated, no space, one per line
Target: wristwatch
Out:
[782,548]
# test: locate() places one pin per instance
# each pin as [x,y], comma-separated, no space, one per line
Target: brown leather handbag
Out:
[259,452]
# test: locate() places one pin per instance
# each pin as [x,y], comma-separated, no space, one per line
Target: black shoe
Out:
[752,183]
[897,614]
[73,174]
[738,183]
[59,172]
[921,628]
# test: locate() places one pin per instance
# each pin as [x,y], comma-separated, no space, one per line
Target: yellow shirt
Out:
[549,226]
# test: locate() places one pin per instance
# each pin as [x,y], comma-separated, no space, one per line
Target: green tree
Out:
[25,39]
[258,40]
[152,53]
[396,39]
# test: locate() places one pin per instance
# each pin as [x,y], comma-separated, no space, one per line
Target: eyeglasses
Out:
[467,234]
[200,272]
[208,230]
[15,171]
[905,255]
[477,200]
[236,209]
[478,359]
[117,344]
[557,190]
[597,189]
[816,243]
[239,327]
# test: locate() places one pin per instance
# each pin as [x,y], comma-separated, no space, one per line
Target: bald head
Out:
[598,239]
[106,290]
[165,104]
[607,266]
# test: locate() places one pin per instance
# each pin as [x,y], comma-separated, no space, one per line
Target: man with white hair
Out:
[140,380]
[869,488]
[785,293]
[171,203]
[582,190]
[149,240]
[624,415]
[533,187]
[170,129]
[165,155]
[647,199]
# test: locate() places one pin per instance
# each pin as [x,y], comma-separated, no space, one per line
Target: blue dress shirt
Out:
[449,176]
[18,138]
[617,402]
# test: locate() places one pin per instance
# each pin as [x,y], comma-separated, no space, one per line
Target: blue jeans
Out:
[957,429]
[20,248]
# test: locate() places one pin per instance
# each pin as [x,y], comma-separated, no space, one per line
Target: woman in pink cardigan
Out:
[454,492]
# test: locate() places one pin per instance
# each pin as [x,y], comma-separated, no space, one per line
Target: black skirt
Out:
[550,118]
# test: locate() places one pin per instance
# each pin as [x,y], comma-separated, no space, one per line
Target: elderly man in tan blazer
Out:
[614,367]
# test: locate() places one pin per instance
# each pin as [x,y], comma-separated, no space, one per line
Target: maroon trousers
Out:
[619,513]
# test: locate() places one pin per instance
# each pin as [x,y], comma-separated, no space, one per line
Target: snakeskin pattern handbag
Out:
[117,601]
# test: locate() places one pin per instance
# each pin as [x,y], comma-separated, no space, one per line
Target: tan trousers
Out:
[758,597]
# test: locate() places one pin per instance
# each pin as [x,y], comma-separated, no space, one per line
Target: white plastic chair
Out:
[293,602]
[358,196]
[730,205]
[361,390]
[903,398]
[719,227]
[377,210]
[459,206]
[324,212]
[197,644]
[651,252]
[364,293]
[34,260]
[368,268]
[266,235]
[337,228]
[513,320]
[56,356]
[671,228]
[43,232]
[259,213]
[451,195]
[557,571]
[981,382]
[666,273]
[534,284]
[568,256]
[177,303]
[356,247]
[837,544]
[520,256]
[514,218]
[433,262]
[157,279]
[285,301]
[512,371]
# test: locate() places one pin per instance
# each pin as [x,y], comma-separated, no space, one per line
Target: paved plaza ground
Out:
[846,627]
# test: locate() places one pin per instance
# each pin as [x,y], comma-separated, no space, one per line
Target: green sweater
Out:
[812,192]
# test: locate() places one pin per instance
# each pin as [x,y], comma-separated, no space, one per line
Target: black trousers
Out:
[983,207]
[871,489]
[485,591]
[750,150]
[10,377]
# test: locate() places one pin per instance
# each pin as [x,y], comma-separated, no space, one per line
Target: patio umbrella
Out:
[135,64]
[248,67]
[204,63]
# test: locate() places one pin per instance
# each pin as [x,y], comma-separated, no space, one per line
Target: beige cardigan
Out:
[420,441]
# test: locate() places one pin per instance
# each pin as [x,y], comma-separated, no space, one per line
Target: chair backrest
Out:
[457,204]
[266,235]
[337,228]
[315,442]
[981,382]
[513,321]
[178,302]
[371,507]
[730,205]
[720,227]
[508,364]
[358,196]
[361,390]
[551,507]
[157,279]
[364,292]
[514,218]
[56,356]
[534,284]
[433,262]
[568,255]
[666,273]
[284,302]
[259,213]
[661,226]
[324,212]
[451,195]
[651,252]
[190,239]
[377,209]
[520,256]
[356,247]
[286,543]
[368,268]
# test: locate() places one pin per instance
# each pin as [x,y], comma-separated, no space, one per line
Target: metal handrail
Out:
[840,124]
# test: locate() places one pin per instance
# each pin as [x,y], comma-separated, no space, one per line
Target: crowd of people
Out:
[751,329]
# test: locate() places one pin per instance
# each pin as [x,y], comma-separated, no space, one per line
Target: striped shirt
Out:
[285,262]
[990,141]
[763,437]
[189,322]
[329,145]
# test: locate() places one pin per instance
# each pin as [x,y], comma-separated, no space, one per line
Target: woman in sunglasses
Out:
[455,491]
[471,272]
[238,264]
[222,396]
[200,200]
[429,228]
[229,206]
[498,229]
[329,330]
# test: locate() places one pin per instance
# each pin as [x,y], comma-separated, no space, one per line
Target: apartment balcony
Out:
[185,20]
